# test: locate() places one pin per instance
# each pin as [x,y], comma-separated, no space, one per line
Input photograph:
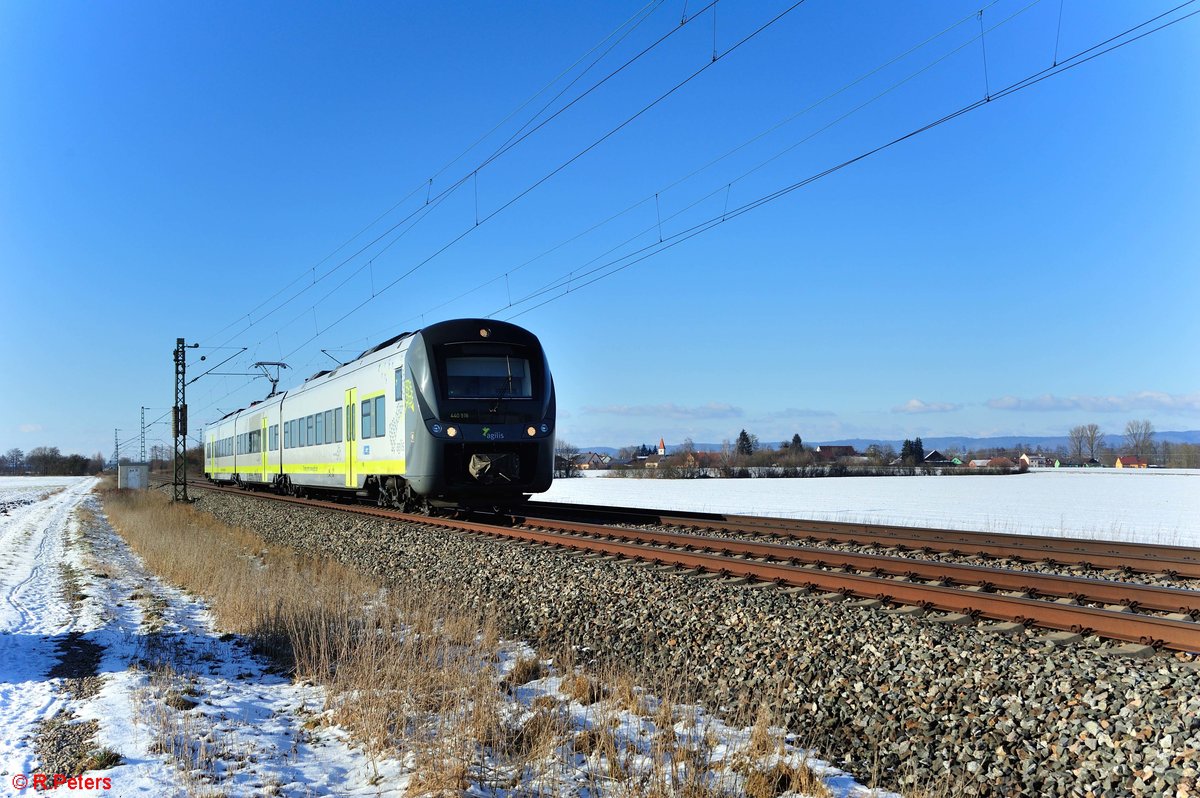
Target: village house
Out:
[833,454]
[1035,460]
[593,461]
[1130,461]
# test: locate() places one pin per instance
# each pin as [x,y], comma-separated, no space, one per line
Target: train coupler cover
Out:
[492,468]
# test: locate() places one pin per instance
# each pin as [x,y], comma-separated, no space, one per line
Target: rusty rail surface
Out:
[1101,554]
[1132,595]
[1160,631]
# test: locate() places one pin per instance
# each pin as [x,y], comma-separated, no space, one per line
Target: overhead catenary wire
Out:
[549,175]
[727,188]
[422,212]
[729,153]
[1031,80]
[428,185]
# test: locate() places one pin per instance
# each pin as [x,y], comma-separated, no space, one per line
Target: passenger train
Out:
[457,414]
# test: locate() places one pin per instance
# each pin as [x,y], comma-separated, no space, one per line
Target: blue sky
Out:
[195,169]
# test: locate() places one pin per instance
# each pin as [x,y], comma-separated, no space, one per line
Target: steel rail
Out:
[1151,630]
[1146,629]
[1101,554]
[1129,594]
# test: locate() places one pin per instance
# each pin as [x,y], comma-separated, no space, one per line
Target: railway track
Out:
[1162,617]
[1176,561]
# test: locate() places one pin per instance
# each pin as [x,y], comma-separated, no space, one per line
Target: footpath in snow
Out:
[98,658]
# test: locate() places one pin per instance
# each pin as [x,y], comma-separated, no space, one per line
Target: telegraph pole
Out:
[143,452]
[116,449]
[179,420]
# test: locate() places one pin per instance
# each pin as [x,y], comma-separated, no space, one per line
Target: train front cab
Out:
[480,397]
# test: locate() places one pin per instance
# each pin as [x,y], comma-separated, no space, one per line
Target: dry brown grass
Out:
[583,688]
[406,673]
[782,777]
[524,671]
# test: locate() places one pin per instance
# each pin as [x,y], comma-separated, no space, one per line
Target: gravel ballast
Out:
[913,701]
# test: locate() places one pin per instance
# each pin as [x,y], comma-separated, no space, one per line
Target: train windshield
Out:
[494,377]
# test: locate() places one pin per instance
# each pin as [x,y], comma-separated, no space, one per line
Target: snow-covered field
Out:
[240,729]
[1151,506]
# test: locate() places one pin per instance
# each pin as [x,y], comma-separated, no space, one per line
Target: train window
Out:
[337,425]
[399,383]
[274,437]
[367,427]
[500,377]
[295,422]
[319,418]
[287,434]
[380,425]
[329,426]
[310,433]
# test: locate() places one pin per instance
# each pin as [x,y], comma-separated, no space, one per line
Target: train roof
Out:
[385,344]
[435,327]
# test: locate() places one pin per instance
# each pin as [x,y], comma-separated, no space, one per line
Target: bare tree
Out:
[13,458]
[689,465]
[1076,441]
[1093,439]
[1139,438]
[566,460]
[44,459]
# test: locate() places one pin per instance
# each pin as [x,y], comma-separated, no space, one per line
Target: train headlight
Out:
[531,431]
[452,432]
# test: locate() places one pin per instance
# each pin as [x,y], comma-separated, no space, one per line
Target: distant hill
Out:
[960,443]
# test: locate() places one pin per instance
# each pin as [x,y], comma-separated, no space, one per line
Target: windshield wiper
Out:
[505,388]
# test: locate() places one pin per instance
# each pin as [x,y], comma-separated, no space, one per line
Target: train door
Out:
[348,415]
[263,445]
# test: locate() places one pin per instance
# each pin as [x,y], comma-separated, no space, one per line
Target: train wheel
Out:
[389,493]
[414,503]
